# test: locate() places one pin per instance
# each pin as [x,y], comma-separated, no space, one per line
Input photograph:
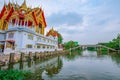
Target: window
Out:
[44,40]
[47,47]
[43,47]
[11,35]
[51,47]
[48,41]
[38,39]
[38,46]
[29,46]
[30,36]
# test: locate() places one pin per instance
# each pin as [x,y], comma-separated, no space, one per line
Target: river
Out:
[87,65]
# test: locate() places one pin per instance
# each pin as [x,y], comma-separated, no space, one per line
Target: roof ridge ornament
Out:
[24,6]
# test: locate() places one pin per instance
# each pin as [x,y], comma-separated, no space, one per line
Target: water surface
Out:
[86,65]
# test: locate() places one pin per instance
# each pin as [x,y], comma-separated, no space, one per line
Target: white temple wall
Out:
[26,41]
[18,36]
[22,41]
[2,36]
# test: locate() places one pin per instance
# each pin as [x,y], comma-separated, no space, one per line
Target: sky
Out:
[85,21]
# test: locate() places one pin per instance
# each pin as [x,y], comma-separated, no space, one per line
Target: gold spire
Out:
[24,6]
[52,30]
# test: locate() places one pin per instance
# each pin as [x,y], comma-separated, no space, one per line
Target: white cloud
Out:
[112,26]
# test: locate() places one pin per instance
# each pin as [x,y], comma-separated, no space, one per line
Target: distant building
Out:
[22,30]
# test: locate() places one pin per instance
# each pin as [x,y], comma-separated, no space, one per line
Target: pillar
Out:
[11,59]
[22,57]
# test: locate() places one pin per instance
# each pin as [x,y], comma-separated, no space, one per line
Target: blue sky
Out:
[85,21]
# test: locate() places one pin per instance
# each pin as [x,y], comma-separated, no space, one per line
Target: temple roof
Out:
[3,11]
[24,6]
[36,15]
[53,33]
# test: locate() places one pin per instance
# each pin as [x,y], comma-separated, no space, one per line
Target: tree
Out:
[115,43]
[70,44]
[60,38]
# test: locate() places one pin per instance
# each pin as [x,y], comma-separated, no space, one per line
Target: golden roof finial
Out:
[52,30]
[24,6]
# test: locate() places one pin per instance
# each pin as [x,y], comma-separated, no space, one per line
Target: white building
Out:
[22,30]
[23,39]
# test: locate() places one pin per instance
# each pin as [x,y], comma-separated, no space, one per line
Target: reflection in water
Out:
[51,66]
[30,63]
[10,66]
[55,69]
[86,65]
[73,55]
[91,66]
[21,65]
[115,57]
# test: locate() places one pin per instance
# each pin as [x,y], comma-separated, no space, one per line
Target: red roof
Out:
[10,13]
[7,40]
[44,19]
[10,40]
[11,10]
[33,14]
[54,33]
[3,11]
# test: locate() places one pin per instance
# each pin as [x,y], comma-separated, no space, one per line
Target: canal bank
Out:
[11,58]
[86,65]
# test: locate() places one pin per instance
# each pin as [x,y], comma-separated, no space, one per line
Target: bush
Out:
[14,75]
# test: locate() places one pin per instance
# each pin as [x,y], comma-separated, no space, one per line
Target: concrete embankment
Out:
[21,57]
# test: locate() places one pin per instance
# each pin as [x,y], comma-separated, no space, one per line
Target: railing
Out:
[108,48]
[102,46]
[46,43]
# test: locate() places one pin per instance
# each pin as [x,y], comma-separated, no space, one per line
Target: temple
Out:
[23,29]
[53,33]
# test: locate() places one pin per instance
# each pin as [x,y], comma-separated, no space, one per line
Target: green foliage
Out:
[91,48]
[103,49]
[14,75]
[115,43]
[73,55]
[70,44]
[60,38]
